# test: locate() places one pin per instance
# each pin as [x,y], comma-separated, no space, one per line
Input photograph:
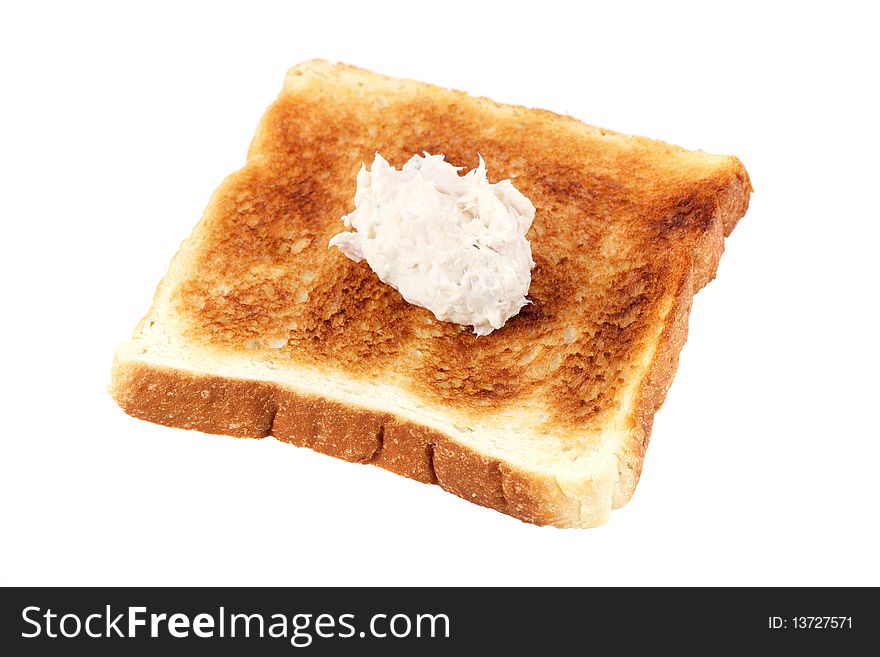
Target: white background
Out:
[117,124]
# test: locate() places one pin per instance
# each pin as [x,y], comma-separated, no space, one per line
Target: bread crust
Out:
[705,213]
[732,203]
[254,409]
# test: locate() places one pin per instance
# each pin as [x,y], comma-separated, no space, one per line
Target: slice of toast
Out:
[259,329]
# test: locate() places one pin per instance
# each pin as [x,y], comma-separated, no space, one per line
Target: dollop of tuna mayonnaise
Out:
[455,245]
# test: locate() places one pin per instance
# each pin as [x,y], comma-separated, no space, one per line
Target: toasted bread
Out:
[259,329]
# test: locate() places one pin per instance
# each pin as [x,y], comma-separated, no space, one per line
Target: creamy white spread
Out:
[455,245]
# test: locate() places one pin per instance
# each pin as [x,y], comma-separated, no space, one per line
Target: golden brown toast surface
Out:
[260,329]
[618,226]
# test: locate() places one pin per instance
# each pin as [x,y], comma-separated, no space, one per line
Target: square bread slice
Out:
[259,329]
